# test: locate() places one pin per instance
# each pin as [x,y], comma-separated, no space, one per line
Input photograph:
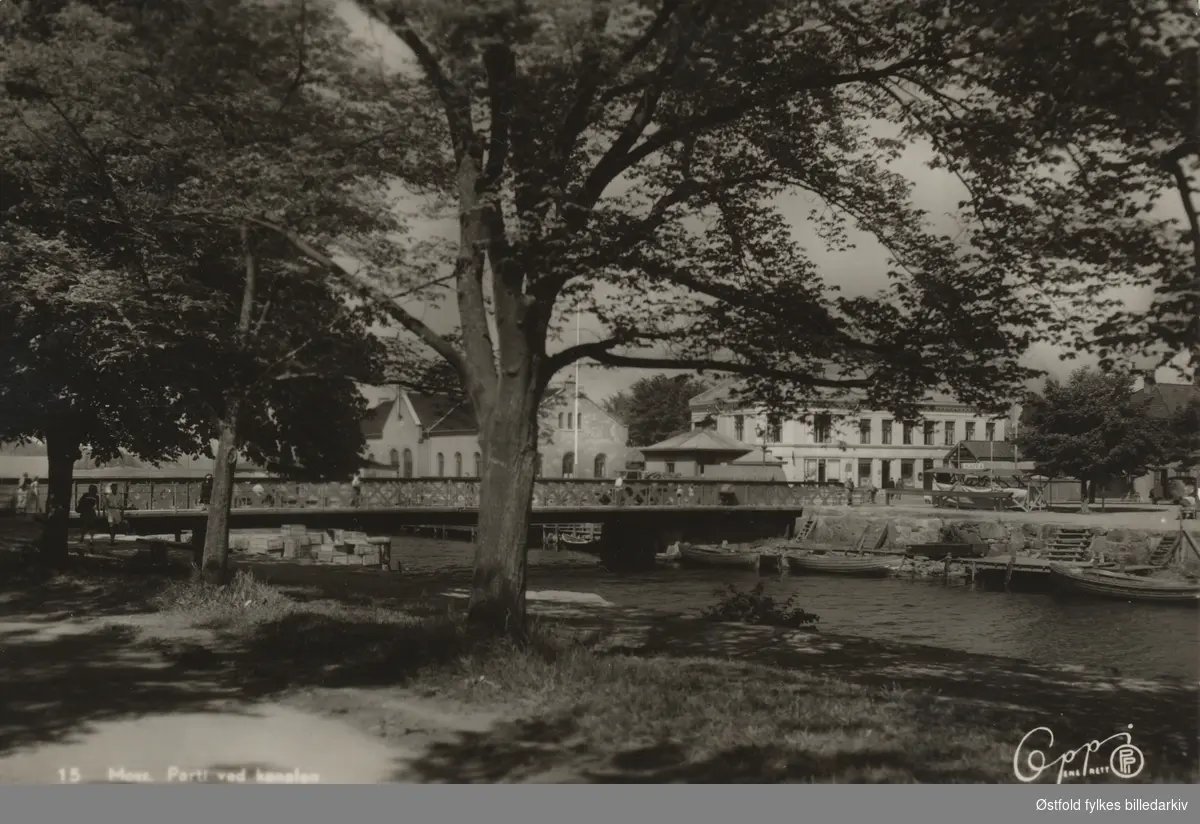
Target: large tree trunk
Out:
[215,565]
[509,445]
[62,450]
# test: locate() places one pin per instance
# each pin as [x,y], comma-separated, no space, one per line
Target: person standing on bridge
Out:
[849,491]
[356,489]
[206,490]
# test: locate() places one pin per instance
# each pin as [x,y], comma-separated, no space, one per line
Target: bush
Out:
[244,600]
[755,607]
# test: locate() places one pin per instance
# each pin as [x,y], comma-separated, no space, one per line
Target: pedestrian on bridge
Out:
[114,511]
[206,490]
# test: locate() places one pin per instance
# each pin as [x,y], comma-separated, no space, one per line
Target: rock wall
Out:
[1003,537]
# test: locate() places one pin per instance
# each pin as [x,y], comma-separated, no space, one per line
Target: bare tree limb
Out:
[371,292]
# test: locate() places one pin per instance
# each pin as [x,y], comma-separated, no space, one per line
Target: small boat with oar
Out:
[717,556]
[1107,583]
[830,563]
[578,543]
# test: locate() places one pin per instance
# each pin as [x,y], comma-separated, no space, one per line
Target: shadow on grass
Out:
[57,680]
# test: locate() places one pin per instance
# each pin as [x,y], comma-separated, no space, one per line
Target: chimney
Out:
[1148,378]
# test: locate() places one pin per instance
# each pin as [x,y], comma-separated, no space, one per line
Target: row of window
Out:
[826,471]
[571,421]
[822,430]
[405,463]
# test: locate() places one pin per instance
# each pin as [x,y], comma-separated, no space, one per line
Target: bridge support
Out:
[628,547]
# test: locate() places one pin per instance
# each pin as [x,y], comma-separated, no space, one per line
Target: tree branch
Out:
[714,365]
[453,99]
[370,292]
[609,168]
[501,65]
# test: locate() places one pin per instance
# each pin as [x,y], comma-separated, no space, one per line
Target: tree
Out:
[1091,429]
[635,150]
[127,160]
[656,408]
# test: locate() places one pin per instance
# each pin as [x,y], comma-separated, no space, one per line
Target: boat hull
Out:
[865,567]
[1114,585]
[712,557]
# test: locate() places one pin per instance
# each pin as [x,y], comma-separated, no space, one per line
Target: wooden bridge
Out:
[639,517]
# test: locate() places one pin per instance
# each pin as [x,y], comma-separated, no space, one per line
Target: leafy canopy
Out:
[629,159]
[1092,428]
[656,408]
[134,151]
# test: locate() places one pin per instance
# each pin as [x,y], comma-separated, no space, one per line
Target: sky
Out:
[857,271]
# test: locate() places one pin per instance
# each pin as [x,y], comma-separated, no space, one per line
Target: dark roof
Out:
[699,440]
[1166,399]
[987,450]
[442,414]
[372,424]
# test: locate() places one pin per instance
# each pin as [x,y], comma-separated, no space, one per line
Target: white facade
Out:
[837,442]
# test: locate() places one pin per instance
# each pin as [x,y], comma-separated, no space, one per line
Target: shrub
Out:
[756,607]
[244,600]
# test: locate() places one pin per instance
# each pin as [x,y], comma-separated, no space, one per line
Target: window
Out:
[950,441]
[458,464]
[906,471]
[990,429]
[823,428]
[774,429]
[908,433]
[864,431]
[408,463]
[570,420]
[810,469]
[537,465]
[970,434]
[599,466]
[864,471]
[560,420]
[670,467]
[929,425]
[478,466]
[441,464]
[579,420]
[885,436]
[394,457]
[568,465]
[739,427]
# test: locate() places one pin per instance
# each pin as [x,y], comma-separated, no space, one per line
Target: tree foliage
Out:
[656,408]
[138,141]
[1091,428]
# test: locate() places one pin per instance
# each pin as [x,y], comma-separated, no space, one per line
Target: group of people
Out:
[95,509]
[28,498]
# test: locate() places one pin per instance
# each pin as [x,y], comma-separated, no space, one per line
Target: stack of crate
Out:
[298,542]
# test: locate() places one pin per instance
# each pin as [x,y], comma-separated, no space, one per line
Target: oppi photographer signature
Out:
[1116,755]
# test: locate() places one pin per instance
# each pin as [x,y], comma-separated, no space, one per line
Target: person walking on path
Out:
[849,492]
[89,519]
[33,498]
[22,494]
[114,512]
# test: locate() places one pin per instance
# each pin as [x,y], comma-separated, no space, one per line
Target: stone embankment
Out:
[1004,535]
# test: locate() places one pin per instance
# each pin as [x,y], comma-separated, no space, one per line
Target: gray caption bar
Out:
[698,804]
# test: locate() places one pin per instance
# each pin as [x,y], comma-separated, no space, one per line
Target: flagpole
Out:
[575,463]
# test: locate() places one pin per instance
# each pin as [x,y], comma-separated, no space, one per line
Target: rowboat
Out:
[578,541]
[1105,583]
[869,566]
[717,557]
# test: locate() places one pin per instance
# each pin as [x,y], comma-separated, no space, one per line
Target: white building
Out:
[840,440]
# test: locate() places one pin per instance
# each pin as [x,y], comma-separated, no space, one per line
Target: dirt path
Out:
[83,701]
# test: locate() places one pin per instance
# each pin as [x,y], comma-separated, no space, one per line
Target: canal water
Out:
[1138,640]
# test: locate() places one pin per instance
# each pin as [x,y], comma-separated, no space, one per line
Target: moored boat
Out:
[717,557]
[872,566]
[1103,583]
[577,542]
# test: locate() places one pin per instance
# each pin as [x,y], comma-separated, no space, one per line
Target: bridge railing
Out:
[463,493]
